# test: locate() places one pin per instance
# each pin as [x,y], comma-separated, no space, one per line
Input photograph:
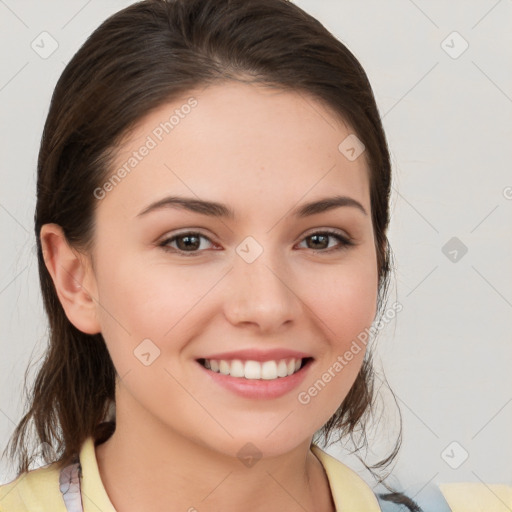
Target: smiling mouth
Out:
[256,370]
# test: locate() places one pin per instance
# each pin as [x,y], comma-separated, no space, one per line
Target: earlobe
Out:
[69,271]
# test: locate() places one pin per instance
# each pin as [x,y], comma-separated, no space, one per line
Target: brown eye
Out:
[190,242]
[320,241]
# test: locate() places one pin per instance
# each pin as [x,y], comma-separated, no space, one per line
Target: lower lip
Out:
[259,389]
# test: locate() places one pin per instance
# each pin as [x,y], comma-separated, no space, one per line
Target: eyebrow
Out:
[215,209]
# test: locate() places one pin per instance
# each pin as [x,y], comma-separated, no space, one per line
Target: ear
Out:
[72,277]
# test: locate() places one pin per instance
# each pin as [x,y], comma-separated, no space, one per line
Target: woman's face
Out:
[185,284]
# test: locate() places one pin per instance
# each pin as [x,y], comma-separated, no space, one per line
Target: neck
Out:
[154,468]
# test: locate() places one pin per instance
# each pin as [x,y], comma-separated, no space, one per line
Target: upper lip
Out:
[275,354]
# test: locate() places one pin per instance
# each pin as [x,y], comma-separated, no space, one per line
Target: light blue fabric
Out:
[69,480]
[435,502]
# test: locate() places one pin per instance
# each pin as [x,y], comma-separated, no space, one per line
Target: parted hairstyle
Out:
[137,60]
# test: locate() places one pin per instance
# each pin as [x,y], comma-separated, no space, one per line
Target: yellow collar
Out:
[349,491]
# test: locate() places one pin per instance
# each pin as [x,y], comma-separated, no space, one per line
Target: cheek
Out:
[344,298]
[140,300]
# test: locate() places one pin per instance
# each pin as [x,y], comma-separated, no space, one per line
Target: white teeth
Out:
[254,370]
[237,368]
[282,369]
[224,367]
[269,370]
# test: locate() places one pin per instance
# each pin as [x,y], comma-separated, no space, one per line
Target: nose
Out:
[261,294]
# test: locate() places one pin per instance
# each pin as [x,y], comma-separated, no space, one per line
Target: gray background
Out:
[447,116]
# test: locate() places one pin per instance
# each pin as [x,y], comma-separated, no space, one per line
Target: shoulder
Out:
[447,497]
[349,491]
[37,489]
[476,496]
[349,488]
[460,497]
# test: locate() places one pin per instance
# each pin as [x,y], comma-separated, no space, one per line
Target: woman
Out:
[212,207]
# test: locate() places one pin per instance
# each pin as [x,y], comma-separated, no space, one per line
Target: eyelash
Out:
[345,242]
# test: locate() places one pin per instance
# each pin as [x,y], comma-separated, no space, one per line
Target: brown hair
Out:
[138,59]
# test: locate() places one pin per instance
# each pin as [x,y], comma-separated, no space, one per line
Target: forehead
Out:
[242,143]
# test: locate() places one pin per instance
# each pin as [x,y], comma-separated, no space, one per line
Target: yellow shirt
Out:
[39,489]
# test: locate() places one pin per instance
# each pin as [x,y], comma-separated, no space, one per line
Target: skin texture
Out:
[263,152]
